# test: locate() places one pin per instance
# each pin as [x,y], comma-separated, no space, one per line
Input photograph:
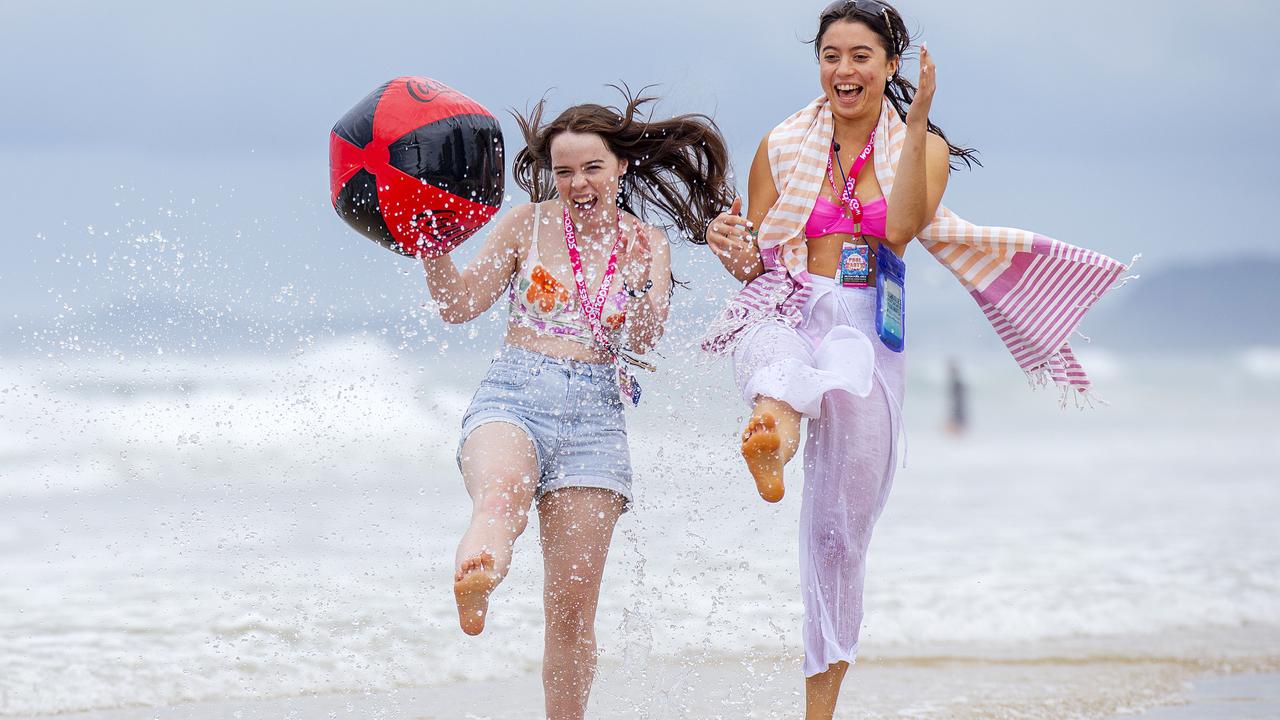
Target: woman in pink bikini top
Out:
[847,215]
[828,363]
[828,221]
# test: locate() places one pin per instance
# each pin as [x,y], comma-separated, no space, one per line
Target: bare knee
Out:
[507,503]
[571,613]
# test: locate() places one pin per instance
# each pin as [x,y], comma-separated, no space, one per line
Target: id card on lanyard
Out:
[855,261]
[855,265]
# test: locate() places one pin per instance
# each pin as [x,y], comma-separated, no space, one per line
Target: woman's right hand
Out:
[730,238]
[462,295]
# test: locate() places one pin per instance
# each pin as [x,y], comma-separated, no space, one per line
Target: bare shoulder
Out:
[521,214]
[936,151]
[650,230]
[761,185]
[513,224]
[511,231]
[762,152]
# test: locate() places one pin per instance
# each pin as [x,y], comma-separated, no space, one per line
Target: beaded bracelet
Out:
[648,284]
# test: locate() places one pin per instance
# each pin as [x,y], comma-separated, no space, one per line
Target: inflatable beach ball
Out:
[416,166]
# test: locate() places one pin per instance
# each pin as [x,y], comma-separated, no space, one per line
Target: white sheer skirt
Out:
[836,372]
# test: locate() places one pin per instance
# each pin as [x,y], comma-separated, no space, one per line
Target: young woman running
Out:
[587,281]
[838,191]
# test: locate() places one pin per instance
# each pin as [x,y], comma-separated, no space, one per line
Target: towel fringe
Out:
[1116,284]
[1084,397]
[1125,280]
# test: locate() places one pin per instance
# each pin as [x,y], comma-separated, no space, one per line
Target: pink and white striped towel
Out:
[1034,290]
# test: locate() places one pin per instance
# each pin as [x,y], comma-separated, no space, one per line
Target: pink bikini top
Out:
[828,218]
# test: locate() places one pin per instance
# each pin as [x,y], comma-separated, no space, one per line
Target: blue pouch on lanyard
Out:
[891,312]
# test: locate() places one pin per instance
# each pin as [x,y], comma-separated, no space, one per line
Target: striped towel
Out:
[1033,290]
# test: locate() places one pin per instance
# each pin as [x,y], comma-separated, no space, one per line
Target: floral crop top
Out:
[543,303]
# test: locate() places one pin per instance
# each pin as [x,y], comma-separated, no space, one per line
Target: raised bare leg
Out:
[500,469]
[769,441]
[822,690]
[576,526]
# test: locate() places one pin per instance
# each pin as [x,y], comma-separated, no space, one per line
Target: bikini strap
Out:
[533,244]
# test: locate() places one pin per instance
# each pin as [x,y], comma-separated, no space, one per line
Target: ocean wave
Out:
[260,527]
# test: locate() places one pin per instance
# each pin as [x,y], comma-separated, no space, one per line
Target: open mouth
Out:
[585,203]
[848,92]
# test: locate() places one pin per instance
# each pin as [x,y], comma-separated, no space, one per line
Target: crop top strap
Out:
[533,242]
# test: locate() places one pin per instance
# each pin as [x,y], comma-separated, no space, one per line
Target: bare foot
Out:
[471,587]
[762,449]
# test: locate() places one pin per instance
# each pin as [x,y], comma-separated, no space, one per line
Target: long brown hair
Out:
[677,167]
[885,21]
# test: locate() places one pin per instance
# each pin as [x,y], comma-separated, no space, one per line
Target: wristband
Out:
[647,285]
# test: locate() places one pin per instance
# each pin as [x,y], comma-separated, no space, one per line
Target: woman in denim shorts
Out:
[587,281]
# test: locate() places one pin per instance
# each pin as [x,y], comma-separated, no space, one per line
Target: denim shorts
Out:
[569,409]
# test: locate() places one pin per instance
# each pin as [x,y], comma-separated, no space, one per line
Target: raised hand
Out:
[636,259]
[920,106]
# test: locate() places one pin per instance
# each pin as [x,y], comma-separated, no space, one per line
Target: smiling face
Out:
[854,67]
[586,174]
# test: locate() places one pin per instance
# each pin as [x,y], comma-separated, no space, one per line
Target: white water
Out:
[262,526]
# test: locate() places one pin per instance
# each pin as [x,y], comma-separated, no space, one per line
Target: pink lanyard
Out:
[592,309]
[848,201]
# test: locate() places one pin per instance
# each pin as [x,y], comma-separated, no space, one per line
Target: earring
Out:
[624,190]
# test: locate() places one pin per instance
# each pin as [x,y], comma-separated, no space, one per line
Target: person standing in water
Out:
[588,282]
[957,400]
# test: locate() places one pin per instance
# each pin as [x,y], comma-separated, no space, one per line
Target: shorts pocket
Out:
[507,376]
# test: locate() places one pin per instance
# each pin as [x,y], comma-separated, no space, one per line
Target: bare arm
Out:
[923,169]
[921,179]
[647,315]
[464,295]
[728,234]
[762,195]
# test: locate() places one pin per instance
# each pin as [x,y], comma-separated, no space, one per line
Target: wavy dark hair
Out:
[886,22]
[678,167]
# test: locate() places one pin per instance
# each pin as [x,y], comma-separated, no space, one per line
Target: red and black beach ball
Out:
[416,166]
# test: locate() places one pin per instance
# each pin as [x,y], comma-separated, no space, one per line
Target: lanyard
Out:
[848,201]
[592,309]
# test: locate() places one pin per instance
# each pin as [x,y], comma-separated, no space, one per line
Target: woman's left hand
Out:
[918,114]
[636,260]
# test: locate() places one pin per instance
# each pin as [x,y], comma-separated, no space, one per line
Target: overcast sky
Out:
[1134,126]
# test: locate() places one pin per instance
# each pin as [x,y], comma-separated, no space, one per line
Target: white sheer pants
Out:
[838,374]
